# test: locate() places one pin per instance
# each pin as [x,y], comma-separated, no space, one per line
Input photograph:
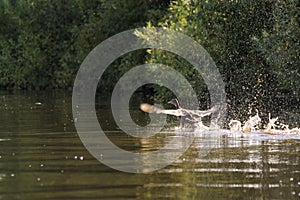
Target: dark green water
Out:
[42,157]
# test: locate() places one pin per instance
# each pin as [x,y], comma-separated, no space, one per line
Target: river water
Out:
[42,157]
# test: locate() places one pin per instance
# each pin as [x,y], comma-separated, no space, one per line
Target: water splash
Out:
[235,125]
[251,125]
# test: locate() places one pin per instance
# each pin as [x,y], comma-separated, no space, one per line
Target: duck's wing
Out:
[153,109]
[179,112]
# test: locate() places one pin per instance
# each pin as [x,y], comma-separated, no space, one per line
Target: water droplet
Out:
[12,175]
[42,165]
[291,179]
[62,171]
[75,157]
[81,157]
[38,179]
[29,165]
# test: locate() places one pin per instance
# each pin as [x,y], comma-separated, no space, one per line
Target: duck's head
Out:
[175,102]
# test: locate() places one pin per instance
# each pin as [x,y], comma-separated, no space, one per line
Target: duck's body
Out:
[187,117]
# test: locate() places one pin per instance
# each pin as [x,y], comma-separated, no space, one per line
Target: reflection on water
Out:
[42,157]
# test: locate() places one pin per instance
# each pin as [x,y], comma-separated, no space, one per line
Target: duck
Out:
[187,117]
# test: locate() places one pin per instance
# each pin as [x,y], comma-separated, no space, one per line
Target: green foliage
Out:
[279,45]
[255,45]
[178,63]
[43,43]
[37,42]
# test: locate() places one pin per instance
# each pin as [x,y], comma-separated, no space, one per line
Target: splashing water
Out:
[194,117]
[252,123]
[271,128]
[235,125]
[249,126]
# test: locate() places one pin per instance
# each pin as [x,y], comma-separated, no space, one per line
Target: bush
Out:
[43,43]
